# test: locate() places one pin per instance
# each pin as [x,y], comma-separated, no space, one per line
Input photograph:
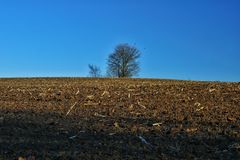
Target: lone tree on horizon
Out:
[94,71]
[123,61]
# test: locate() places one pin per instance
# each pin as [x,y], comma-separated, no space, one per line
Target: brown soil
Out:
[83,118]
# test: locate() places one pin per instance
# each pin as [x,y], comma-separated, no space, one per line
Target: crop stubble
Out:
[84,118]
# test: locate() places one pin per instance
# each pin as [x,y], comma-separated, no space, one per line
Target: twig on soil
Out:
[99,115]
[111,134]
[105,93]
[90,97]
[71,108]
[199,109]
[31,95]
[75,136]
[190,130]
[157,124]
[145,142]
[212,90]
[90,104]
[77,92]
[197,104]
[141,105]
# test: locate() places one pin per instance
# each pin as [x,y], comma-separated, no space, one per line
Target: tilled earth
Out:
[84,118]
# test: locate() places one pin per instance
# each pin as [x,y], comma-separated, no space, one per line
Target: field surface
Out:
[83,118]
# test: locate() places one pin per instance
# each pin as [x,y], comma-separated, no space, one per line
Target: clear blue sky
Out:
[187,39]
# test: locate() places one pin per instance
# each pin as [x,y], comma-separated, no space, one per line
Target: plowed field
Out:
[84,118]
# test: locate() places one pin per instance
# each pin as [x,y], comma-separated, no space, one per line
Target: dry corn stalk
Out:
[71,108]
[141,105]
[77,92]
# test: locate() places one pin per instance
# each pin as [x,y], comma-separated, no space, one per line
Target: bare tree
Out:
[94,71]
[123,61]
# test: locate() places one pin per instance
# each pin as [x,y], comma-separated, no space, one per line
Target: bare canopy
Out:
[123,61]
[94,71]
